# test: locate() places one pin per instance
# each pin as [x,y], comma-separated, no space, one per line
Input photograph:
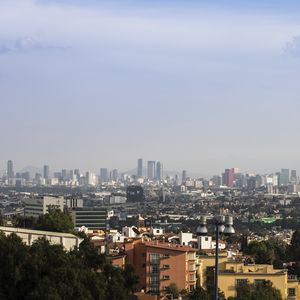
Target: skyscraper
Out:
[159,171]
[294,176]
[284,177]
[151,169]
[10,169]
[229,177]
[114,174]
[184,176]
[103,175]
[140,167]
[46,172]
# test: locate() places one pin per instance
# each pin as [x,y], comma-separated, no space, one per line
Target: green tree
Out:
[263,252]
[294,249]
[200,294]
[259,291]
[173,290]
[55,220]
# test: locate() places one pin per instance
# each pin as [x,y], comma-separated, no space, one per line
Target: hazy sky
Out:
[199,85]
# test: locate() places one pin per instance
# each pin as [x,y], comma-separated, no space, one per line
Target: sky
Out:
[198,85]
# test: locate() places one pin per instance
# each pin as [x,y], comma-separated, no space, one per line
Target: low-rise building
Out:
[92,218]
[28,236]
[39,205]
[234,273]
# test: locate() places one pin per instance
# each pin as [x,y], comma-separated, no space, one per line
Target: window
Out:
[192,277]
[166,266]
[240,284]
[192,287]
[157,231]
[154,269]
[206,239]
[259,281]
[154,258]
[166,255]
[166,277]
[291,292]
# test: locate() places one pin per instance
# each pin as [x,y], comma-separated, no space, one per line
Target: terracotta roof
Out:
[169,246]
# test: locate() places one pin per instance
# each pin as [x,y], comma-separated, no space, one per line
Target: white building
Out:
[38,205]
[130,232]
[156,231]
[28,236]
[116,199]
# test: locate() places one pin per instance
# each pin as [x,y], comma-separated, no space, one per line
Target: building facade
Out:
[37,206]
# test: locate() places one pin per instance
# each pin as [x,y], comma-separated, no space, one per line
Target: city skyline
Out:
[142,169]
[202,85]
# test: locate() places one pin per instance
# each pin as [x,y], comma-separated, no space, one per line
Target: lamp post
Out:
[222,225]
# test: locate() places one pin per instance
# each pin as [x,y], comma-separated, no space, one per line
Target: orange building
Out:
[159,264]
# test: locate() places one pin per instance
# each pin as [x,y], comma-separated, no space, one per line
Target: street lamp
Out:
[222,225]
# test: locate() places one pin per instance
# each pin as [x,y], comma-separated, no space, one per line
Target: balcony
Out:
[192,268]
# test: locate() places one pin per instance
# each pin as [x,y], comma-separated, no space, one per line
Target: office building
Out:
[103,175]
[151,169]
[284,177]
[140,167]
[184,176]
[135,193]
[92,218]
[90,178]
[46,172]
[294,176]
[159,264]
[10,169]
[217,180]
[114,175]
[228,177]
[37,206]
[159,171]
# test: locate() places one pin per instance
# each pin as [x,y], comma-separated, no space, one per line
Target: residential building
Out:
[160,264]
[233,273]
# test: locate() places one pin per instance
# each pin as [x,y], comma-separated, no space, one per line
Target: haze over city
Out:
[199,86]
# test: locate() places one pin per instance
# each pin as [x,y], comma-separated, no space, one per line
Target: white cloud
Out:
[201,31]
[293,46]
[26,44]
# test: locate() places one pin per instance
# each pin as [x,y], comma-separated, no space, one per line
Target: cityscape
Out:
[160,214]
[149,150]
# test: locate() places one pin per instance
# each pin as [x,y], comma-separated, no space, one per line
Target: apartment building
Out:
[159,264]
[233,273]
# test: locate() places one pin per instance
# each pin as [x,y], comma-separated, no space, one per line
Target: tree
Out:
[55,220]
[263,252]
[259,291]
[173,290]
[200,294]
[45,271]
[294,249]
[131,280]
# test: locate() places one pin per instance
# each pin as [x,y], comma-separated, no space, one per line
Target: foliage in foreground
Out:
[48,272]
